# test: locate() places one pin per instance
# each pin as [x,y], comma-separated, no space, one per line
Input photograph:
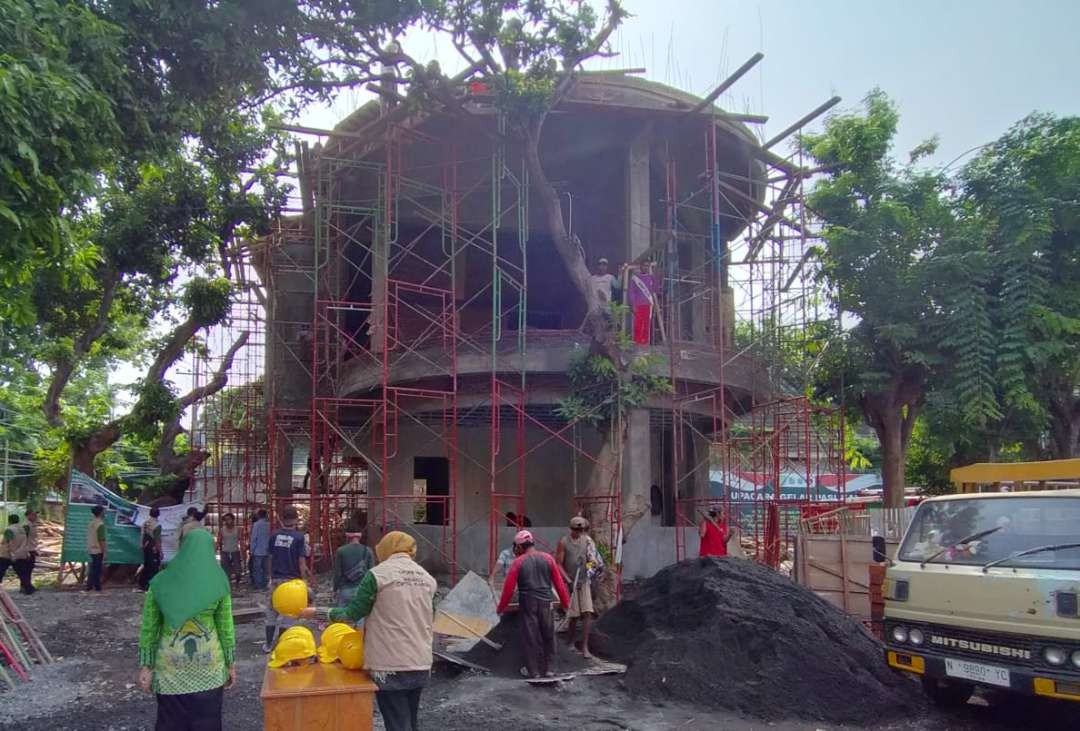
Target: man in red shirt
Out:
[714,535]
[534,574]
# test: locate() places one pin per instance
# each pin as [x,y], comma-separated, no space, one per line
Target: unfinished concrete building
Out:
[420,324]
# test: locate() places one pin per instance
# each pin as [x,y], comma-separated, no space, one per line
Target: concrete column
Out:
[638,197]
[283,470]
[378,289]
[727,318]
[637,460]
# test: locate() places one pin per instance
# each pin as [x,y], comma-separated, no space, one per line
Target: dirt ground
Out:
[93,687]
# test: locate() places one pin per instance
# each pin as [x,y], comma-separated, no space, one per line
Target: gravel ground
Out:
[93,687]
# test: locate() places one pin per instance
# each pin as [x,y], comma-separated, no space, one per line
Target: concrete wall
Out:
[647,550]
[549,471]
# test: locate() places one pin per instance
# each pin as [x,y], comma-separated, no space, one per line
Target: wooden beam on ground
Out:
[449,657]
[243,615]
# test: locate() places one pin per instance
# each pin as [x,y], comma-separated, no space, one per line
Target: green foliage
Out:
[600,391]
[155,405]
[59,66]
[208,300]
[1026,190]
[928,460]
[525,96]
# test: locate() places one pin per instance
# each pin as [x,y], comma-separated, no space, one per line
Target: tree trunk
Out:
[892,413]
[1065,428]
[83,455]
[596,324]
[893,458]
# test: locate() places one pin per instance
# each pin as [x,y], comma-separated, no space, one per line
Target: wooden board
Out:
[602,667]
[549,681]
[837,569]
[450,657]
[447,623]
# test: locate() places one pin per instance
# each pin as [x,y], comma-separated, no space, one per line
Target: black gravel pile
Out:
[730,633]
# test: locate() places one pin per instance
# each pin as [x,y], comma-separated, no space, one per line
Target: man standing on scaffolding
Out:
[642,296]
[604,283]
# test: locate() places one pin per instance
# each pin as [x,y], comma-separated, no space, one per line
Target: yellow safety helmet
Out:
[297,630]
[290,598]
[351,650]
[330,641]
[295,643]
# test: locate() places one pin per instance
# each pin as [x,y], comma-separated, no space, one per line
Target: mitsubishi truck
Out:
[984,588]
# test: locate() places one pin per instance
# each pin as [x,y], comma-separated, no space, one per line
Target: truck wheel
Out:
[947,693]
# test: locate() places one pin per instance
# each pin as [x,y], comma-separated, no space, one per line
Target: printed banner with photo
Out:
[123,523]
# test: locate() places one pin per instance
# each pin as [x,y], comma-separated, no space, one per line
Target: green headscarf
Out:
[191,582]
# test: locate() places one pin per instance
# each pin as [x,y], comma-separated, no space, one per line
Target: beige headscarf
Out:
[395,542]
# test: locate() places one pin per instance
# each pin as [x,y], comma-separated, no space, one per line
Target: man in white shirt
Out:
[604,283]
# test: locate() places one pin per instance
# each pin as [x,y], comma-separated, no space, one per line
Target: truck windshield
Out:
[1021,523]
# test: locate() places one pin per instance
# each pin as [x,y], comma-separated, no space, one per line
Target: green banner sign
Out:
[123,523]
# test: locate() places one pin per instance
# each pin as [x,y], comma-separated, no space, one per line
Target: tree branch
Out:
[221,376]
[66,366]
[184,465]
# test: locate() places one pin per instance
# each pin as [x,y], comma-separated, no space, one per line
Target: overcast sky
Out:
[962,69]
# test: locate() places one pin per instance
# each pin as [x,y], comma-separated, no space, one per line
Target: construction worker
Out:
[604,283]
[573,554]
[5,560]
[351,564]
[192,521]
[151,548]
[397,599]
[498,573]
[260,550]
[96,547]
[642,289]
[16,540]
[714,535]
[32,533]
[287,561]
[534,574]
[228,544]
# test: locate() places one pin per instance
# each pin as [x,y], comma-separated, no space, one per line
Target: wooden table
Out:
[317,697]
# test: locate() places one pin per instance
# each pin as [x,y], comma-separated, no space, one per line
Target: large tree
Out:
[131,159]
[884,224]
[1026,189]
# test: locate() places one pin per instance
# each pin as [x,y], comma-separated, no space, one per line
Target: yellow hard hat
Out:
[351,650]
[290,598]
[295,643]
[331,639]
[298,630]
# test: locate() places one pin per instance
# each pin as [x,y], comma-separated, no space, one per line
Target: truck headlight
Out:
[1076,659]
[1055,656]
[900,634]
[916,636]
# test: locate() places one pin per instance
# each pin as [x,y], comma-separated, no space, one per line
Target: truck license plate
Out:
[989,674]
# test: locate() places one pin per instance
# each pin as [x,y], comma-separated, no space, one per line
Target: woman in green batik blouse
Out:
[187,644]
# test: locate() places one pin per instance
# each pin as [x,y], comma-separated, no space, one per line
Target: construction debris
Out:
[20,647]
[734,634]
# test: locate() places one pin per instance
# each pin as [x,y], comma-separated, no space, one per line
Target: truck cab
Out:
[984,590]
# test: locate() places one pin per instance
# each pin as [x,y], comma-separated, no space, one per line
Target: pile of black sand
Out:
[732,634]
[509,660]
